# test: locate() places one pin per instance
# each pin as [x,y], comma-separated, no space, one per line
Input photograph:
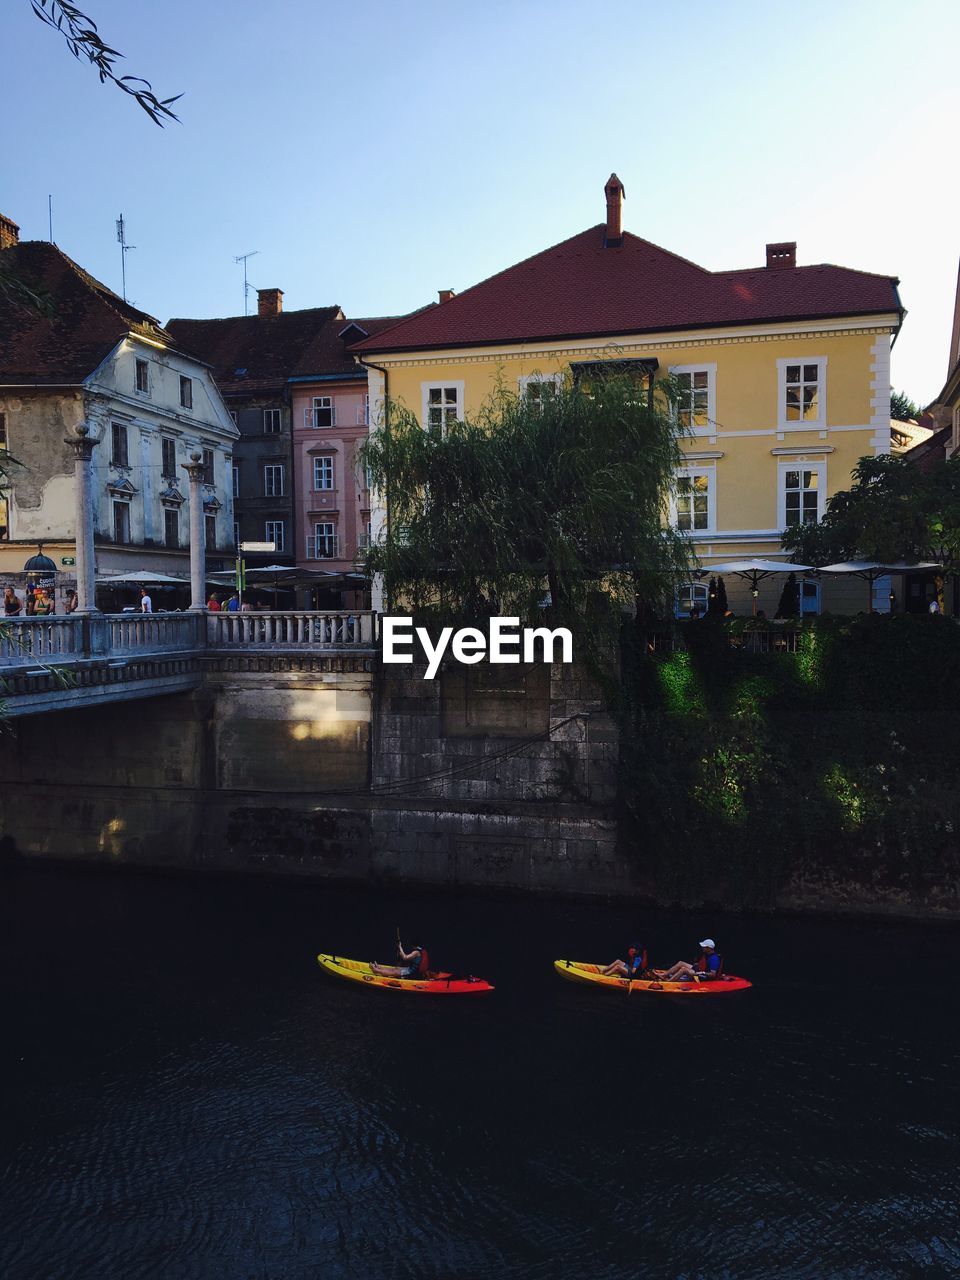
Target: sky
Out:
[372,154]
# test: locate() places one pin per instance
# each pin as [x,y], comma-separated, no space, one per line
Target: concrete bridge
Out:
[82,660]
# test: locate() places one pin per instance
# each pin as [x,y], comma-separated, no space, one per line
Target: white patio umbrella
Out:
[871,570]
[142,578]
[756,570]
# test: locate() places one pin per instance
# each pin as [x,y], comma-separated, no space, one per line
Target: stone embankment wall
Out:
[309,767]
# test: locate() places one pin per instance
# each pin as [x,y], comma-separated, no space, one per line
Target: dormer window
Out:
[143,377]
[186,393]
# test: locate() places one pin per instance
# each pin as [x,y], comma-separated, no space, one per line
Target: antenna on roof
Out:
[246,286]
[124,250]
[50,215]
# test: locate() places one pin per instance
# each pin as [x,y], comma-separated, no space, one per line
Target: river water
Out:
[185,1093]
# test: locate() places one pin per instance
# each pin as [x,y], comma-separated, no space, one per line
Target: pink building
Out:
[331,415]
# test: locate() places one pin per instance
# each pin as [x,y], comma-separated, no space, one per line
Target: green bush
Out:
[743,771]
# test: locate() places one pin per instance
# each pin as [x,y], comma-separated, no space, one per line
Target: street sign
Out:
[258,546]
[68,561]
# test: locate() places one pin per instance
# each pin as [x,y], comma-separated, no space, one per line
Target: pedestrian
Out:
[42,604]
[213,604]
[29,597]
[233,604]
[146,604]
[11,602]
[72,602]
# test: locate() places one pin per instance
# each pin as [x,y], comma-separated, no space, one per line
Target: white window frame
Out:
[323,402]
[139,363]
[797,464]
[711,371]
[235,469]
[186,385]
[271,528]
[270,487]
[804,424]
[696,593]
[690,473]
[817,595]
[120,505]
[171,513]
[318,537]
[528,380]
[271,416]
[446,384]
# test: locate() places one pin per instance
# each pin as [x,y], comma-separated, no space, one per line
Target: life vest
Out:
[423,964]
[636,959]
[715,970]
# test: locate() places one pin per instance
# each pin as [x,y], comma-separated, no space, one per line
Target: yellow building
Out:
[786,369]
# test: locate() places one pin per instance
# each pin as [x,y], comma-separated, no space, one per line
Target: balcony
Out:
[326,547]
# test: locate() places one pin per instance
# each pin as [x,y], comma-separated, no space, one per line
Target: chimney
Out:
[446,294]
[269,302]
[9,232]
[614,192]
[783,254]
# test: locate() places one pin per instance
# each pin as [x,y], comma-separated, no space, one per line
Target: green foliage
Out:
[893,511]
[902,407]
[559,499]
[745,772]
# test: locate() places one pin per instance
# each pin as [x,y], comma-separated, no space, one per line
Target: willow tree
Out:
[549,503]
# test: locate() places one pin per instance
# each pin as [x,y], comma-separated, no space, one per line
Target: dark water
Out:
[185,1094]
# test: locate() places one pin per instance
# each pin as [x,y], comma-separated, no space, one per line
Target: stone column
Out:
[198,550]
[83,447]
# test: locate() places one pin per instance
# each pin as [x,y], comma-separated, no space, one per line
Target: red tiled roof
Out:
[255,355]
[78,324]
[579,288]
[328,353]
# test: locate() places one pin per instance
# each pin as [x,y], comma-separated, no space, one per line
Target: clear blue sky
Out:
[374,153]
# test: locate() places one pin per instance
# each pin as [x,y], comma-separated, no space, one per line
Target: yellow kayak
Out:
[577,971]
[437,984]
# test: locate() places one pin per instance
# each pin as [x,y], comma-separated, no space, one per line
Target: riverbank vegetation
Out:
[748,777]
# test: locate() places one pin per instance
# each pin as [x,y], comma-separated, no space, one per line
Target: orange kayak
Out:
[435,985]
[578,971]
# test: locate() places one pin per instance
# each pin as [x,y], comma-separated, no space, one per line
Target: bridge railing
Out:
[281,629]
[69,638]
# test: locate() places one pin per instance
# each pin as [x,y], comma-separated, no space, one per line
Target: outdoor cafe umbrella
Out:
[756,570]
[871,570]
[142,578]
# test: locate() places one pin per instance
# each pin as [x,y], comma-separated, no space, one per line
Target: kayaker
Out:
[706,969]
[416,964]
[632,966]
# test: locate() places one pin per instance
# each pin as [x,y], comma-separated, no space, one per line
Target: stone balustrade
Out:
[292,630]
[74,638]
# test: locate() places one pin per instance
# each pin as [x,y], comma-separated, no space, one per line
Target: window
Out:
[235,471]
[121,522]
[323,473]
[324,414]
[271,421]
[324,540]
[809,598]
[168,455]
[692,595]
[802,391]
[186,393]
[693,501]
[119,455]
[881,592]
[273,532]
[801,493]
[210,530]
[233,415]
[273,481]
[171,527]
[236,534]
[442,404]
[535,387]
[3,431]
[208,477]
[143,378]
[366,411]
[695,386]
